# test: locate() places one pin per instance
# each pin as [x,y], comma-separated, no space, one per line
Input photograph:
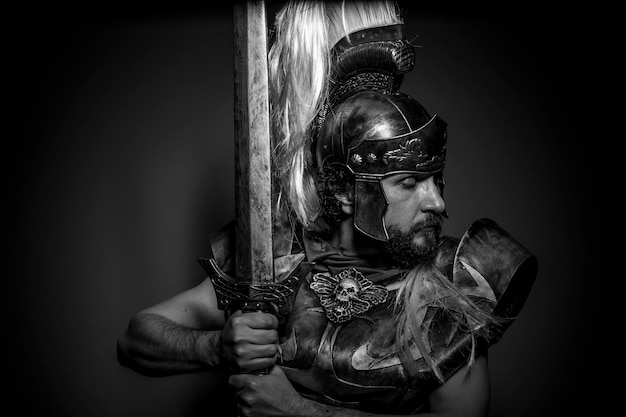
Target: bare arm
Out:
[464,394]
[155,346]
[178,335]
[188,333]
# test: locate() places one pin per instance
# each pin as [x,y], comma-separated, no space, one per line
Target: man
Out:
[387,316]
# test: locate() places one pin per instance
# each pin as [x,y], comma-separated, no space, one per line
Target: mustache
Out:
[432,220]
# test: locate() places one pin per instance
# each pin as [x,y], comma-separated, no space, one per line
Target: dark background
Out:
[119,163]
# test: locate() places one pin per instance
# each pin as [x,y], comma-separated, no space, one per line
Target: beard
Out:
[405,251]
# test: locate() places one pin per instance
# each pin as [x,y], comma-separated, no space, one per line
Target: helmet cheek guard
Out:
[370,205]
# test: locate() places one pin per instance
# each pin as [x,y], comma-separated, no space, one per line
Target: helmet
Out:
[374,130]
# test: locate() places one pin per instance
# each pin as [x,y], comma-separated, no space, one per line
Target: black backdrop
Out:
[118,159]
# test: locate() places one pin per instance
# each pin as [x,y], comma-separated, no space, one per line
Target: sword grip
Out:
[253,306]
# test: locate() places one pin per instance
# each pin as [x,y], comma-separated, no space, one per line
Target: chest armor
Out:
[353,361]
[350,364]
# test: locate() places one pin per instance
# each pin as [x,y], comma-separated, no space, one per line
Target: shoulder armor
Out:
[490,264]
[496,272]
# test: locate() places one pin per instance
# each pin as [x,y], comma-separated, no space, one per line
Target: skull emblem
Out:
[346,290]
[346,294]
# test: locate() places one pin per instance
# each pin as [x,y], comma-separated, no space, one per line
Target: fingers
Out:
[250,341]
[253,328]
[253,358]
[267,395]
[243,338]
[258,365]
[250,350]
[252,382]
[255,320]
[241,381]
[257,337]
[246,353]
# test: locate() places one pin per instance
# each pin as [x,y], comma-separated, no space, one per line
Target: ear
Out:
[347,201]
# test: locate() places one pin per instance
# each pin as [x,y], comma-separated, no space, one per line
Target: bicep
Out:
[195,308]
[465,393]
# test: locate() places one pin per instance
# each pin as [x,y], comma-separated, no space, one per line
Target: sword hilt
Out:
[233,295]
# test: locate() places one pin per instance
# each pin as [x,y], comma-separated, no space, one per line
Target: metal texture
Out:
[253,187]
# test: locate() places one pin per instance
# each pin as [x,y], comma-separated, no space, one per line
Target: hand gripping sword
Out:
[255,286]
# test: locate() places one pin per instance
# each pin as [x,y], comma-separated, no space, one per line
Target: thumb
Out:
[237,380]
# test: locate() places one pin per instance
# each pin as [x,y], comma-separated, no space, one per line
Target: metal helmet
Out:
[371,128]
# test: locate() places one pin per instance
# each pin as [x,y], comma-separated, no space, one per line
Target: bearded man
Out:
[385,315]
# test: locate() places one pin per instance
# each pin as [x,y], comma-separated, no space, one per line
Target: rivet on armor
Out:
[356,159]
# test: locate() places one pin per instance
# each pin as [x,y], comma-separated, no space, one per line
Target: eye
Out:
[408,183]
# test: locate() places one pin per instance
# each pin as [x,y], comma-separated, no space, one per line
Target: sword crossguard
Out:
[273,298]
[232,295]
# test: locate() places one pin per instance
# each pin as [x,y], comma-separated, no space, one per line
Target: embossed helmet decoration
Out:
[373,129]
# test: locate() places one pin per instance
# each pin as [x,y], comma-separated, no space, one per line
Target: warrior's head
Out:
[339,116]
[369,132]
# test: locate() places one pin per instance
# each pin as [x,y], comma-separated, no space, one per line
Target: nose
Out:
[431,199]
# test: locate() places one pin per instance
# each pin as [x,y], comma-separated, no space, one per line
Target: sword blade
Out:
[253,180]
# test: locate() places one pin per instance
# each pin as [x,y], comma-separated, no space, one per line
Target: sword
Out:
[254,286]
[253,181]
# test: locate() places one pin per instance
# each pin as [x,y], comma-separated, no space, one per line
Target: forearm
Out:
[154,345]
